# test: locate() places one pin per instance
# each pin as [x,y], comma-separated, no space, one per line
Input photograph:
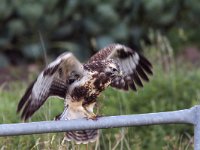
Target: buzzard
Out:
[79,84]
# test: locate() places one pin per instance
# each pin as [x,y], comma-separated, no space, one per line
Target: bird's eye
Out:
[114,69]
[70,81]
[76,76]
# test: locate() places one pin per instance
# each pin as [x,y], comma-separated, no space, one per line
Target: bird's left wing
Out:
[134,66]
[54,80]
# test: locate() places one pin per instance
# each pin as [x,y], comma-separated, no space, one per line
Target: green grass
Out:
[165,92]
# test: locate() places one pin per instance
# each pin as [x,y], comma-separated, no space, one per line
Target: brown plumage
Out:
[80,85]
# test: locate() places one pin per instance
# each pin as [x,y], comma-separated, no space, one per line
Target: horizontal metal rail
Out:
[186,116]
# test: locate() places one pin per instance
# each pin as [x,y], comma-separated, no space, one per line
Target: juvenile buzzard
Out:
[80,84]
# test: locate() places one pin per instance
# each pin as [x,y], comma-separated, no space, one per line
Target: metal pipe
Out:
[186,116]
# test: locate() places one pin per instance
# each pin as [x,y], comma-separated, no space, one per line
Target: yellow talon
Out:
[90,115]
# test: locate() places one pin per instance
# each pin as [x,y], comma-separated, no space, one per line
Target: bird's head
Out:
[112,69]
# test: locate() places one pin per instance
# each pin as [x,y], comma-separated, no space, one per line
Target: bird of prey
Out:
[79,84]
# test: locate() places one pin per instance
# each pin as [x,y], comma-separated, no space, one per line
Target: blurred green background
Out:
[86,26]
[33,33]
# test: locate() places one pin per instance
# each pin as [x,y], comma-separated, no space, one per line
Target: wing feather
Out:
[52,81]
[134,66]
[137,79]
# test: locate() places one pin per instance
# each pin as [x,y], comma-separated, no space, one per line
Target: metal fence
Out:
[186,116]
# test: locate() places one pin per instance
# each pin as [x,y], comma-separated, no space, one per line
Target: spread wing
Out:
[54,80]
[134,66]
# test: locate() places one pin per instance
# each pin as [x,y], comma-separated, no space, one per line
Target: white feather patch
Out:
[59,59]
[42,86]
[136,58]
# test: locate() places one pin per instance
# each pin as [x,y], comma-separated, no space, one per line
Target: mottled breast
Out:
[91,88]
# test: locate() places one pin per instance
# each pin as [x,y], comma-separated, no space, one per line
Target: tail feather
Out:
[81,136]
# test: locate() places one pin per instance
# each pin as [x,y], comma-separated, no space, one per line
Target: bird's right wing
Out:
[54,80]
[134,66]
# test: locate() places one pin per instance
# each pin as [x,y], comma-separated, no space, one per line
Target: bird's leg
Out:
[90,115]
[89,111]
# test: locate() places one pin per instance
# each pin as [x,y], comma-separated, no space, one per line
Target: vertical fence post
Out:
[197,128]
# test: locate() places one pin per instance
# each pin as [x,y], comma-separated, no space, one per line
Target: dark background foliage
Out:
[86,26]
